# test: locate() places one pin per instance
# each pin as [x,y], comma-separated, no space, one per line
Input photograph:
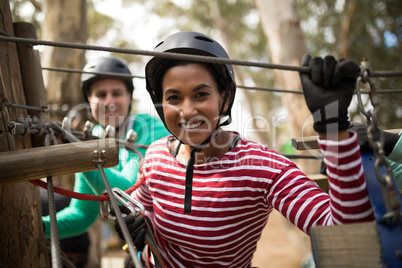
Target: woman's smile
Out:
[191,126]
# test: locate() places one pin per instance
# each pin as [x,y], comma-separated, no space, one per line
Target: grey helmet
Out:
[105,65]
[187,43]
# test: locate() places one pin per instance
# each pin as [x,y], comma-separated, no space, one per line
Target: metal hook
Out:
[135,207]
[359,99]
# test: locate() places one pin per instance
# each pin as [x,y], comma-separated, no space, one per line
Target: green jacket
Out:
[395,161]
[80,215]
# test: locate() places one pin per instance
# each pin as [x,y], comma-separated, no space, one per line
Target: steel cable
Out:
[179,56]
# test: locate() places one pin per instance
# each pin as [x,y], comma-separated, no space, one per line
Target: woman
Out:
[209,192]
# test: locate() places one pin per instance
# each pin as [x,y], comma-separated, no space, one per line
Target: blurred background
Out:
[271,31]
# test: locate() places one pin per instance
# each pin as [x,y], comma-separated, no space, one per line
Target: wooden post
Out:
[55,160]
[31,72]
[22,240]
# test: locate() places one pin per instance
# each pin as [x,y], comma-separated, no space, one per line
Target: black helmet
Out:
[105,65]
[187,43]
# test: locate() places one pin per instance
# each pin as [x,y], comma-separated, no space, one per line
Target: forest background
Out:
[271,31]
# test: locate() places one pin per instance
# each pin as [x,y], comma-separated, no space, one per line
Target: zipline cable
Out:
[54,231]
[178,56]
[98,160]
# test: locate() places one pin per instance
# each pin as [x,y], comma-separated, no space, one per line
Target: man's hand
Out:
[328,90]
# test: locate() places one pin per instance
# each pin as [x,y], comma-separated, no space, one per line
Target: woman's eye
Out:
[172,98]
[202,94]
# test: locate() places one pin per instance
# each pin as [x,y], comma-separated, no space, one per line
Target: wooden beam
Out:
[305,143]
[349,245]
[310,142]
[321,180]
[40,162]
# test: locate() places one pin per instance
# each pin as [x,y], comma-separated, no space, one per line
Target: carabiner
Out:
[135,207]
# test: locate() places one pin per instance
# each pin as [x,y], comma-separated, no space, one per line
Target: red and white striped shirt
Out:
[234,194]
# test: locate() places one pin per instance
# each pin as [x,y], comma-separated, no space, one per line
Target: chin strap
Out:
[188,192]
[189,181]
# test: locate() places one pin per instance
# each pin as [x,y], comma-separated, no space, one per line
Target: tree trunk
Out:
[216,16]
[287,46]
[65,21]
[22,240]
[347,18]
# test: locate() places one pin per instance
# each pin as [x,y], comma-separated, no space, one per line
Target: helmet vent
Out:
[160,44]
[203,38]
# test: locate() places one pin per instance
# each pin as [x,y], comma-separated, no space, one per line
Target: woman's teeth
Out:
[191,126]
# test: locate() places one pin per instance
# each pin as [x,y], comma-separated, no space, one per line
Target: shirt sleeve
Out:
[396,154]
[349,201]
[397,174]
[142,194]
[76,218]
[395,161]
[304,204]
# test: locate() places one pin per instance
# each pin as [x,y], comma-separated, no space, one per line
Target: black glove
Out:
[137,227]
[390,139]
[328,90]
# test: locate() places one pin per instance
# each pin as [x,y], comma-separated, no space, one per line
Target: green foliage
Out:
[98,24]
[375,33]
[24,11]
[247,39]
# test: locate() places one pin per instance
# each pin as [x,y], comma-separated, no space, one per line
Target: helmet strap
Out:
[190,168]
[188,192]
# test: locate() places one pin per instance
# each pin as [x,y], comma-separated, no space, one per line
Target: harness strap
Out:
[390,232]
[151,242]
